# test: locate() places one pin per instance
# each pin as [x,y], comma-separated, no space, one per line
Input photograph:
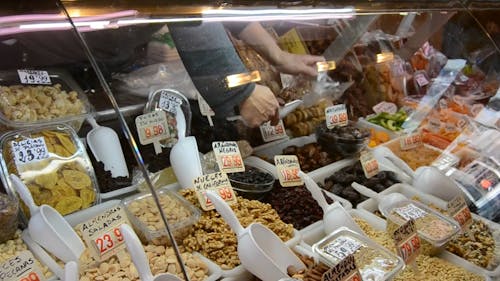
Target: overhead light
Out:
[57,25]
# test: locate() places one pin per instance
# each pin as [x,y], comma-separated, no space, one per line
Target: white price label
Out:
[169,102]
[21,267]
[346,270]
[410,212]
[434,124]
[29,150]
[336,115]
[228,156]
[369,164]
[288,167]
[410,141]
[102,233]
[152,127]
[421,80]
[341,247]
[38,77]
[450,128]
[407,241]
[458,209]
[384,106]
[217,182]
[272,133]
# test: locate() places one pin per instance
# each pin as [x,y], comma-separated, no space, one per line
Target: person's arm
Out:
[256,36]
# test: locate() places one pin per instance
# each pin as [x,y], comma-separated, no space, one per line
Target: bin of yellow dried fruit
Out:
[378,137]
[57,170]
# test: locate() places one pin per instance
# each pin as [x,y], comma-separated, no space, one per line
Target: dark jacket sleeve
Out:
[209,56]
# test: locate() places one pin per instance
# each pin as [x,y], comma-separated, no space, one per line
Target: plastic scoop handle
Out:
[92,122]
[398,163]
[226,212]
[315,191]
[139,258]
[181,123]
[24,193]
[71,271]
[365,191]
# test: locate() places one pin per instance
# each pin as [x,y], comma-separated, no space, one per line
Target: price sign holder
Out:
[205,109]
[384,106]
[369,164]
[36,77]
[272,133]
[102,233]
[407,242]
[29,150]
[288,170]
[152,128]
[322,66]
[217,182]
[169,102]
[410,141]
[21,267]
[458,209]
[336,115]
[345,270]
[228,156]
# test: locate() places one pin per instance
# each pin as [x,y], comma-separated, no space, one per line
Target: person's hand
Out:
[261,106]
[297,64]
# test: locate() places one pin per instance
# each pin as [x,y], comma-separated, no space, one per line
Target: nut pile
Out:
[15,246]
[34,103]
[313,272]
[213,238]
[431,268]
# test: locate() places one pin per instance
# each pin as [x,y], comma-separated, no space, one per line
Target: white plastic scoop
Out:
[184,156]
[334,215]
[260,250]
[140,259]
[105,145]
[48,228]
[283,111]
[71,272]
[384,201]
[426,178]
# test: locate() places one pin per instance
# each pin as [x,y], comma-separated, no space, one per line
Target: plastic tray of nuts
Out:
[145,218]
[60,101]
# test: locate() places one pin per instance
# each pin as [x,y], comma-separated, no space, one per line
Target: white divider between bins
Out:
[268,151]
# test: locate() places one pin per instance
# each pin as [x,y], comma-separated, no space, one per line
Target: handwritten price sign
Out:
[410,141]
[102,233]
[345,270]
[152,128]
[336,115]
[218,182]
[37,77]
[272,133]
[169,102]
[458,209]
[228,156]
[288,170]
[407,241]
[29,150]
[369,164]
[21,267]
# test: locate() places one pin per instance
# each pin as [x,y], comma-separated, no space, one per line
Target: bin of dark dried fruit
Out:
[340,182]
[253,183]
[8,217]
[346,140]
[311,156]
[295,205]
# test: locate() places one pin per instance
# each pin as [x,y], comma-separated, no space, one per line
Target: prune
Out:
[252,176]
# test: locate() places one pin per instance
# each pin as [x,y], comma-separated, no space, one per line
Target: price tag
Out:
[169,102]
[384,106]
[336,115]
[410,212]
[458,209]
[36,77]
[450,127]
[228,156]
[152,128]
[410,141]
[102,233]
[272,133]
[205,109]
[369,164]
[434,124]
[29,150]
[218,182]
[421,80]
[345,270]
[407,241]
[342,247]
[21,267]
[288,167]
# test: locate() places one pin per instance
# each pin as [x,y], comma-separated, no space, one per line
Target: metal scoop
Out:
[334,215]
[48,228]
[384,201]
[140,259]
[105,145]
[260,250]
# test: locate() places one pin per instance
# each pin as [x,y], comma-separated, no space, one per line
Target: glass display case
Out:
[110,110]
